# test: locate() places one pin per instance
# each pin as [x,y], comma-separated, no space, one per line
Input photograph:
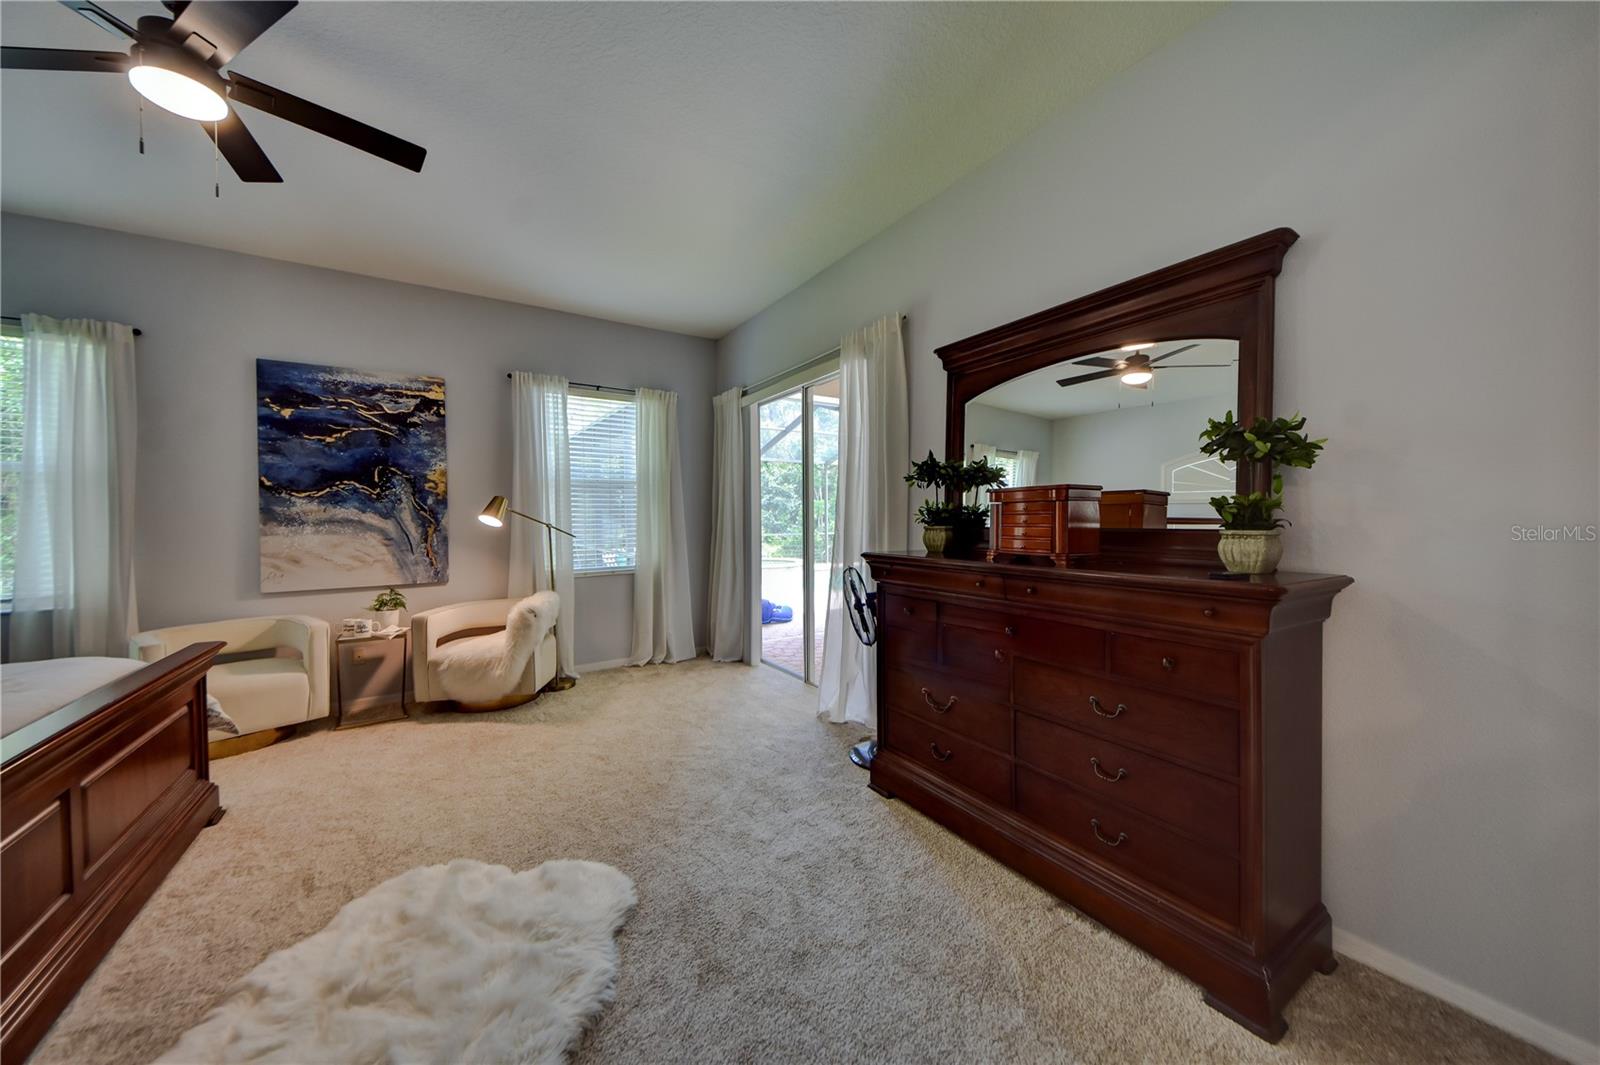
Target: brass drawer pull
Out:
[999,655]
[1028,590]
[1094,763]
[943,756]
[1169,664]
[1011,630]
[1122,837]
[978,583]
[1098,707]
[1210,611]
[927,697]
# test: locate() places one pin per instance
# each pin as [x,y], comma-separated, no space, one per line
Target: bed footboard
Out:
[91,820]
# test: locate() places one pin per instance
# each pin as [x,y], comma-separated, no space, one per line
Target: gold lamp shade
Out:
[494,515]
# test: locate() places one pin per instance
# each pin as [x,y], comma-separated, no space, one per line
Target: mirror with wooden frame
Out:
[1114,388]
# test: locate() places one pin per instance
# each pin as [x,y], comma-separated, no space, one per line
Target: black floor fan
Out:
[862,607]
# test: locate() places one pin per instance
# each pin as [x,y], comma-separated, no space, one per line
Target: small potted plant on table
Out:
[386,606]
[946,526]
[1251,539]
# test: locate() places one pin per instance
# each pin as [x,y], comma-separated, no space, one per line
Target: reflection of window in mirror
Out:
[1021,466]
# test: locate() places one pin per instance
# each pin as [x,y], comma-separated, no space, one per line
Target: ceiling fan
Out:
[1137,370]
[176,64]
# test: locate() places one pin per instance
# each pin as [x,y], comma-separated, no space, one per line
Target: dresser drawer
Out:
[1031,637]
[951,756]
[910,631]
[1183,667]
[934,577]
[974,652]
[1187,611]
[1133,844]
[908,612]
[1198,805]
[969,708]
[1194,733]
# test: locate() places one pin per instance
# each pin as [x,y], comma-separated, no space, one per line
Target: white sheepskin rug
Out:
[481,669]
[463,962]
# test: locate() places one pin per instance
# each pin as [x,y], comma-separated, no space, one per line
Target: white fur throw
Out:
[481,669]
[465,962]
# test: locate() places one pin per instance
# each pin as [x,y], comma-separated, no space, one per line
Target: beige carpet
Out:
[785,912]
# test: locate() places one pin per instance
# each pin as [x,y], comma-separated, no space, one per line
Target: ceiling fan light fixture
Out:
[1137,377]
[187,89]
[1137,347]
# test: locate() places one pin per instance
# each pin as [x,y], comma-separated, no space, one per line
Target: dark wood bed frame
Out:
[98,800]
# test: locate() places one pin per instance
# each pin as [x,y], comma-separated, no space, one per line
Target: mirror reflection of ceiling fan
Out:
[176,63]
[1138,368]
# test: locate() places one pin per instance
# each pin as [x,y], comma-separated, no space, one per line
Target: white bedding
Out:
[30,690]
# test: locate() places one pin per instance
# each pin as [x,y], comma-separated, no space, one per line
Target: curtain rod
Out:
[791,371]
[13,318]
[597,388]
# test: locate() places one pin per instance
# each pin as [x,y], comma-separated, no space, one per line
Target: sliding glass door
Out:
[798,461]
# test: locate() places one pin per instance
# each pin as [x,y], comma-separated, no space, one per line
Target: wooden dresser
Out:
[1141,740]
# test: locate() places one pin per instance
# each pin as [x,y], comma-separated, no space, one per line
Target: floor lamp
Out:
[494,516]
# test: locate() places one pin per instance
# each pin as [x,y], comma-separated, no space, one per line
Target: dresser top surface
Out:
[1120,573]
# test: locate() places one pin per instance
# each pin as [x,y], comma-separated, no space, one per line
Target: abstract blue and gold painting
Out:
[352,477]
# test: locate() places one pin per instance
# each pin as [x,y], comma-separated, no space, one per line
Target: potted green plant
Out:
[387,606]
[946,525]
[1251,538]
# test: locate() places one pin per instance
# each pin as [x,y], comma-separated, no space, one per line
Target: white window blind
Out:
[10,451]
[601,434]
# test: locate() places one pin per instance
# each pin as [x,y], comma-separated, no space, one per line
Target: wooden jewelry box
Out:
[1054,521]
[1133,508]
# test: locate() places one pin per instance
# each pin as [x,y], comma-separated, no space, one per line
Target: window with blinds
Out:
[10,451]
[601,434]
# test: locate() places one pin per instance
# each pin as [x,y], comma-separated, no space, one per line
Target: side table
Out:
[370,675]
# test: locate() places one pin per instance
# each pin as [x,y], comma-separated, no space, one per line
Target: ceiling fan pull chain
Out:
[141,124]
[216,179]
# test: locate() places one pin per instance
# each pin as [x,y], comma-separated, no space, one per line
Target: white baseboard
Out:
[1541,1034]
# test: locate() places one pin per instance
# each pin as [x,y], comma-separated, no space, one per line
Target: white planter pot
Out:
[1250,550]
[387,619]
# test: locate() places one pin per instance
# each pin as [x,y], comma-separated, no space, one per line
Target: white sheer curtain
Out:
[874,454]
[1027,469]
[727,609]
[541,485]
[73,591]
[663,624]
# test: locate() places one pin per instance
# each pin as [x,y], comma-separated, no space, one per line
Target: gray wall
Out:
[1127,448]
[1009,430]
[1439,161]
[207,315]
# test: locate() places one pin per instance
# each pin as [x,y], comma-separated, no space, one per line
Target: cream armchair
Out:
[459,653]
[257,692]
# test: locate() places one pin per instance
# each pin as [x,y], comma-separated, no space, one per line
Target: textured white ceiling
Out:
[675,165]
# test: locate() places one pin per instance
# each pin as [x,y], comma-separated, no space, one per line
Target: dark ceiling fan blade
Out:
[240,149]
[1174,351]
[1065,381]
[101,17]
[1099,361]
[175,6]
[62,59]
[225,27]
[319,119]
